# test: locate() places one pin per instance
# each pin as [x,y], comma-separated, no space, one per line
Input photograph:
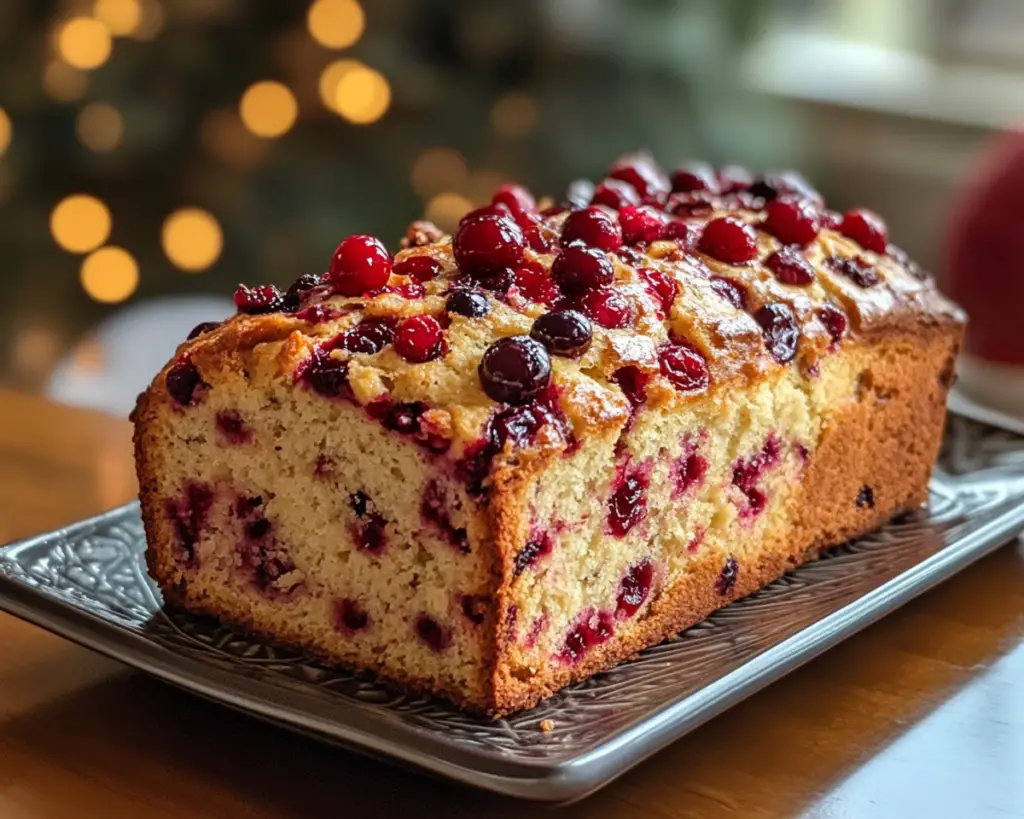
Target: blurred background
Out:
[154,153]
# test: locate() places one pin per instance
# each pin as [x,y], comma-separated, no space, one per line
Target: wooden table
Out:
[920,715]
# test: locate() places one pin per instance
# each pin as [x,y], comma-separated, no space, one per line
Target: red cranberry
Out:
[515,370]
[661,285]
[539,546]
[727,579]
[468,303]
[370,336]
[189,516]
[318,314]
[834,320]
[615,194]
[541,238]
[607,307]
[594,227]
[349,616]
[578,268]
[688,471]
[419,339]
[488,241]
[327,376]
[792,221]
[302,286]
[431,632]
[858,270]
[684,367]
[233,427]
[697,176]
[422,268]
[734,178]
[630,255]
[433,510]
[640,225]
[474,608]
[255,301]
[634,589]
[729,240]
[591,629]
[865,228]
[360,263]
[515,197]
[633,383]
[685,233]
[627,505]
[370,534]
[730,290]
[642,172]
[182,381]
[203,329]
[564,332]
[691,205]
[781,334]
[790,266]
[535,284]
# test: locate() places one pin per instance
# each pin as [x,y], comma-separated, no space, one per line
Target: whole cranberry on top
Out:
[792,221]
[729,240]
[419,339]
[515,369]
[515,197]
[696,176]
[579,268]
[360,263]
[615,193]
[642,172]
[487,241]
[594,227]
[865,228]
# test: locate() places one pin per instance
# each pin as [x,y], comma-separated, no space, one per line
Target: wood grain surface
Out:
[921,715]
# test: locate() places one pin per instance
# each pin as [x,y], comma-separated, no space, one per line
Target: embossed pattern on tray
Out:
[93,578]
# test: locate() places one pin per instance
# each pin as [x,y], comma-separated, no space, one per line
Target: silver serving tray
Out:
[89,583]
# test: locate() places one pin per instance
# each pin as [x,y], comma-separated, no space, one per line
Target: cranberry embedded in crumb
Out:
[727,579]
[590,629]
[615,194]
[594,227]
[578,268]
[360,263]
[515,197]
[859,271]
[661,285]
[641,225]
[370,336]
[233,427]
[182,381]
[792,221]
[432,633]
[474,608]
[515,370]
[419,339]
[865,498]
[327,376]
[790,266]
[468,303]
[256,301]
[538,546]
[730,290]
[628,505]
[865,228]
[729,240]
[488,241]
[564,332]
[607,307]
[420,267]
[203,329]
[349,616]
[300,287]
[697,176]
[634,589]
[834,320]
[685,233]
[633,382]
[781,334]
[684,367]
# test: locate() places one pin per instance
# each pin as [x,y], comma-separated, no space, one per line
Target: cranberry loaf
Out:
[500,462]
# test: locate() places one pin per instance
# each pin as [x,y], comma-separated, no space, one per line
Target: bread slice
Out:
[323,471]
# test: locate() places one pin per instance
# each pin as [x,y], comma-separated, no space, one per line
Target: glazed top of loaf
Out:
[648,288]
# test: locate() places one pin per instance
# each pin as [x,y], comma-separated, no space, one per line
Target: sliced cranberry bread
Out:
[496,464]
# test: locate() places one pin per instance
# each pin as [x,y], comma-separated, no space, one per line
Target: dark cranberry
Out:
[539,546]
[640,225]
[729,240]
[360,503]
[564,332]
[302,285]
[594,227]
[730,290]
[859,270]
[615,194]
[634,589]
[183,380]
[630,255]
[233,428]
[541,238]
[684,367]
[431,632]
[661,285]
[728,576]
[420,267]
[687,472]
[697,176]
[578,268]
[865,498]
[781,335]
[256,301]
[685,233]
[189,516]
[433,510]
[349,616]
[783,184]
[734,178]
[579,194]
[203,329]
[258,529]
[496,279]
[360,263]
[370,336]
[642,172]
[834,320]
[697,203]
[790,266]
[633,382]
[628,504]
[536,285]
[865,228]
[369,533]
[419,339]
[488,241]
[607,307]
[318,314]
[327,376]
[514,197]
[468,303]
[591,629]
[792,221]
[474,608]
[515,370]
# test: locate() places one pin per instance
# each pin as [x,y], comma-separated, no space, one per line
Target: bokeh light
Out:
[483,183]
[336,23]
[110,275]
[268,108]
[80,223]
[438,169]
[225,136]
[445,210]
[514,115]
[100,127]
[5,131]
[63,82]
[35,350]
[362,95]
[151,22]
[329,79]
[121,17]
[84,43]
[192,239]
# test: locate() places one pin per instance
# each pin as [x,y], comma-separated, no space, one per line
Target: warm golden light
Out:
[336,23]
[35,350]
[151,22]
[514,114]
[192,239]
[224,135]
[362,95]
[84,43]
[438,169]
[63,83]
[80,223]
[445,210]
[121,17]
[329,79]
[268,109]
[5,131]
[100,127]
[110,275]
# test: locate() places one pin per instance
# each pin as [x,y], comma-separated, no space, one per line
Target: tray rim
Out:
[537,780]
